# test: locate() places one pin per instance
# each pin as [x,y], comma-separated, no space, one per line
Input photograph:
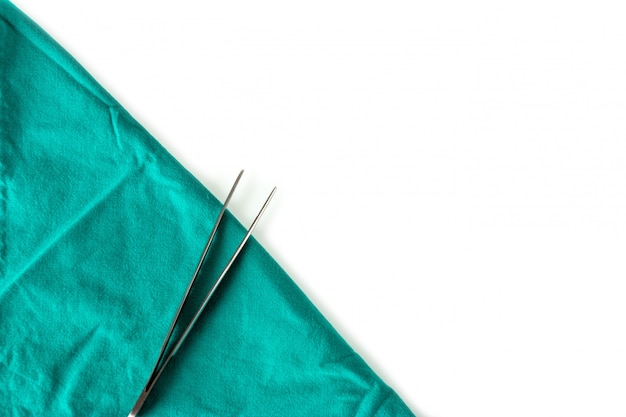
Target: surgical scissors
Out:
[163,360]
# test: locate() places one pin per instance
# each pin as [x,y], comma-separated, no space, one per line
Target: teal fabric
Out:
[100,232]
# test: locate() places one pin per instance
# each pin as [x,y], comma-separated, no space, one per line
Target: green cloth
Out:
[100,232]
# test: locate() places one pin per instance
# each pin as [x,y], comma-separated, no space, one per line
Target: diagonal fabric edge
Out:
[74,339]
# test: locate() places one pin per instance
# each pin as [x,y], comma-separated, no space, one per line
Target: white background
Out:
[452,174]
